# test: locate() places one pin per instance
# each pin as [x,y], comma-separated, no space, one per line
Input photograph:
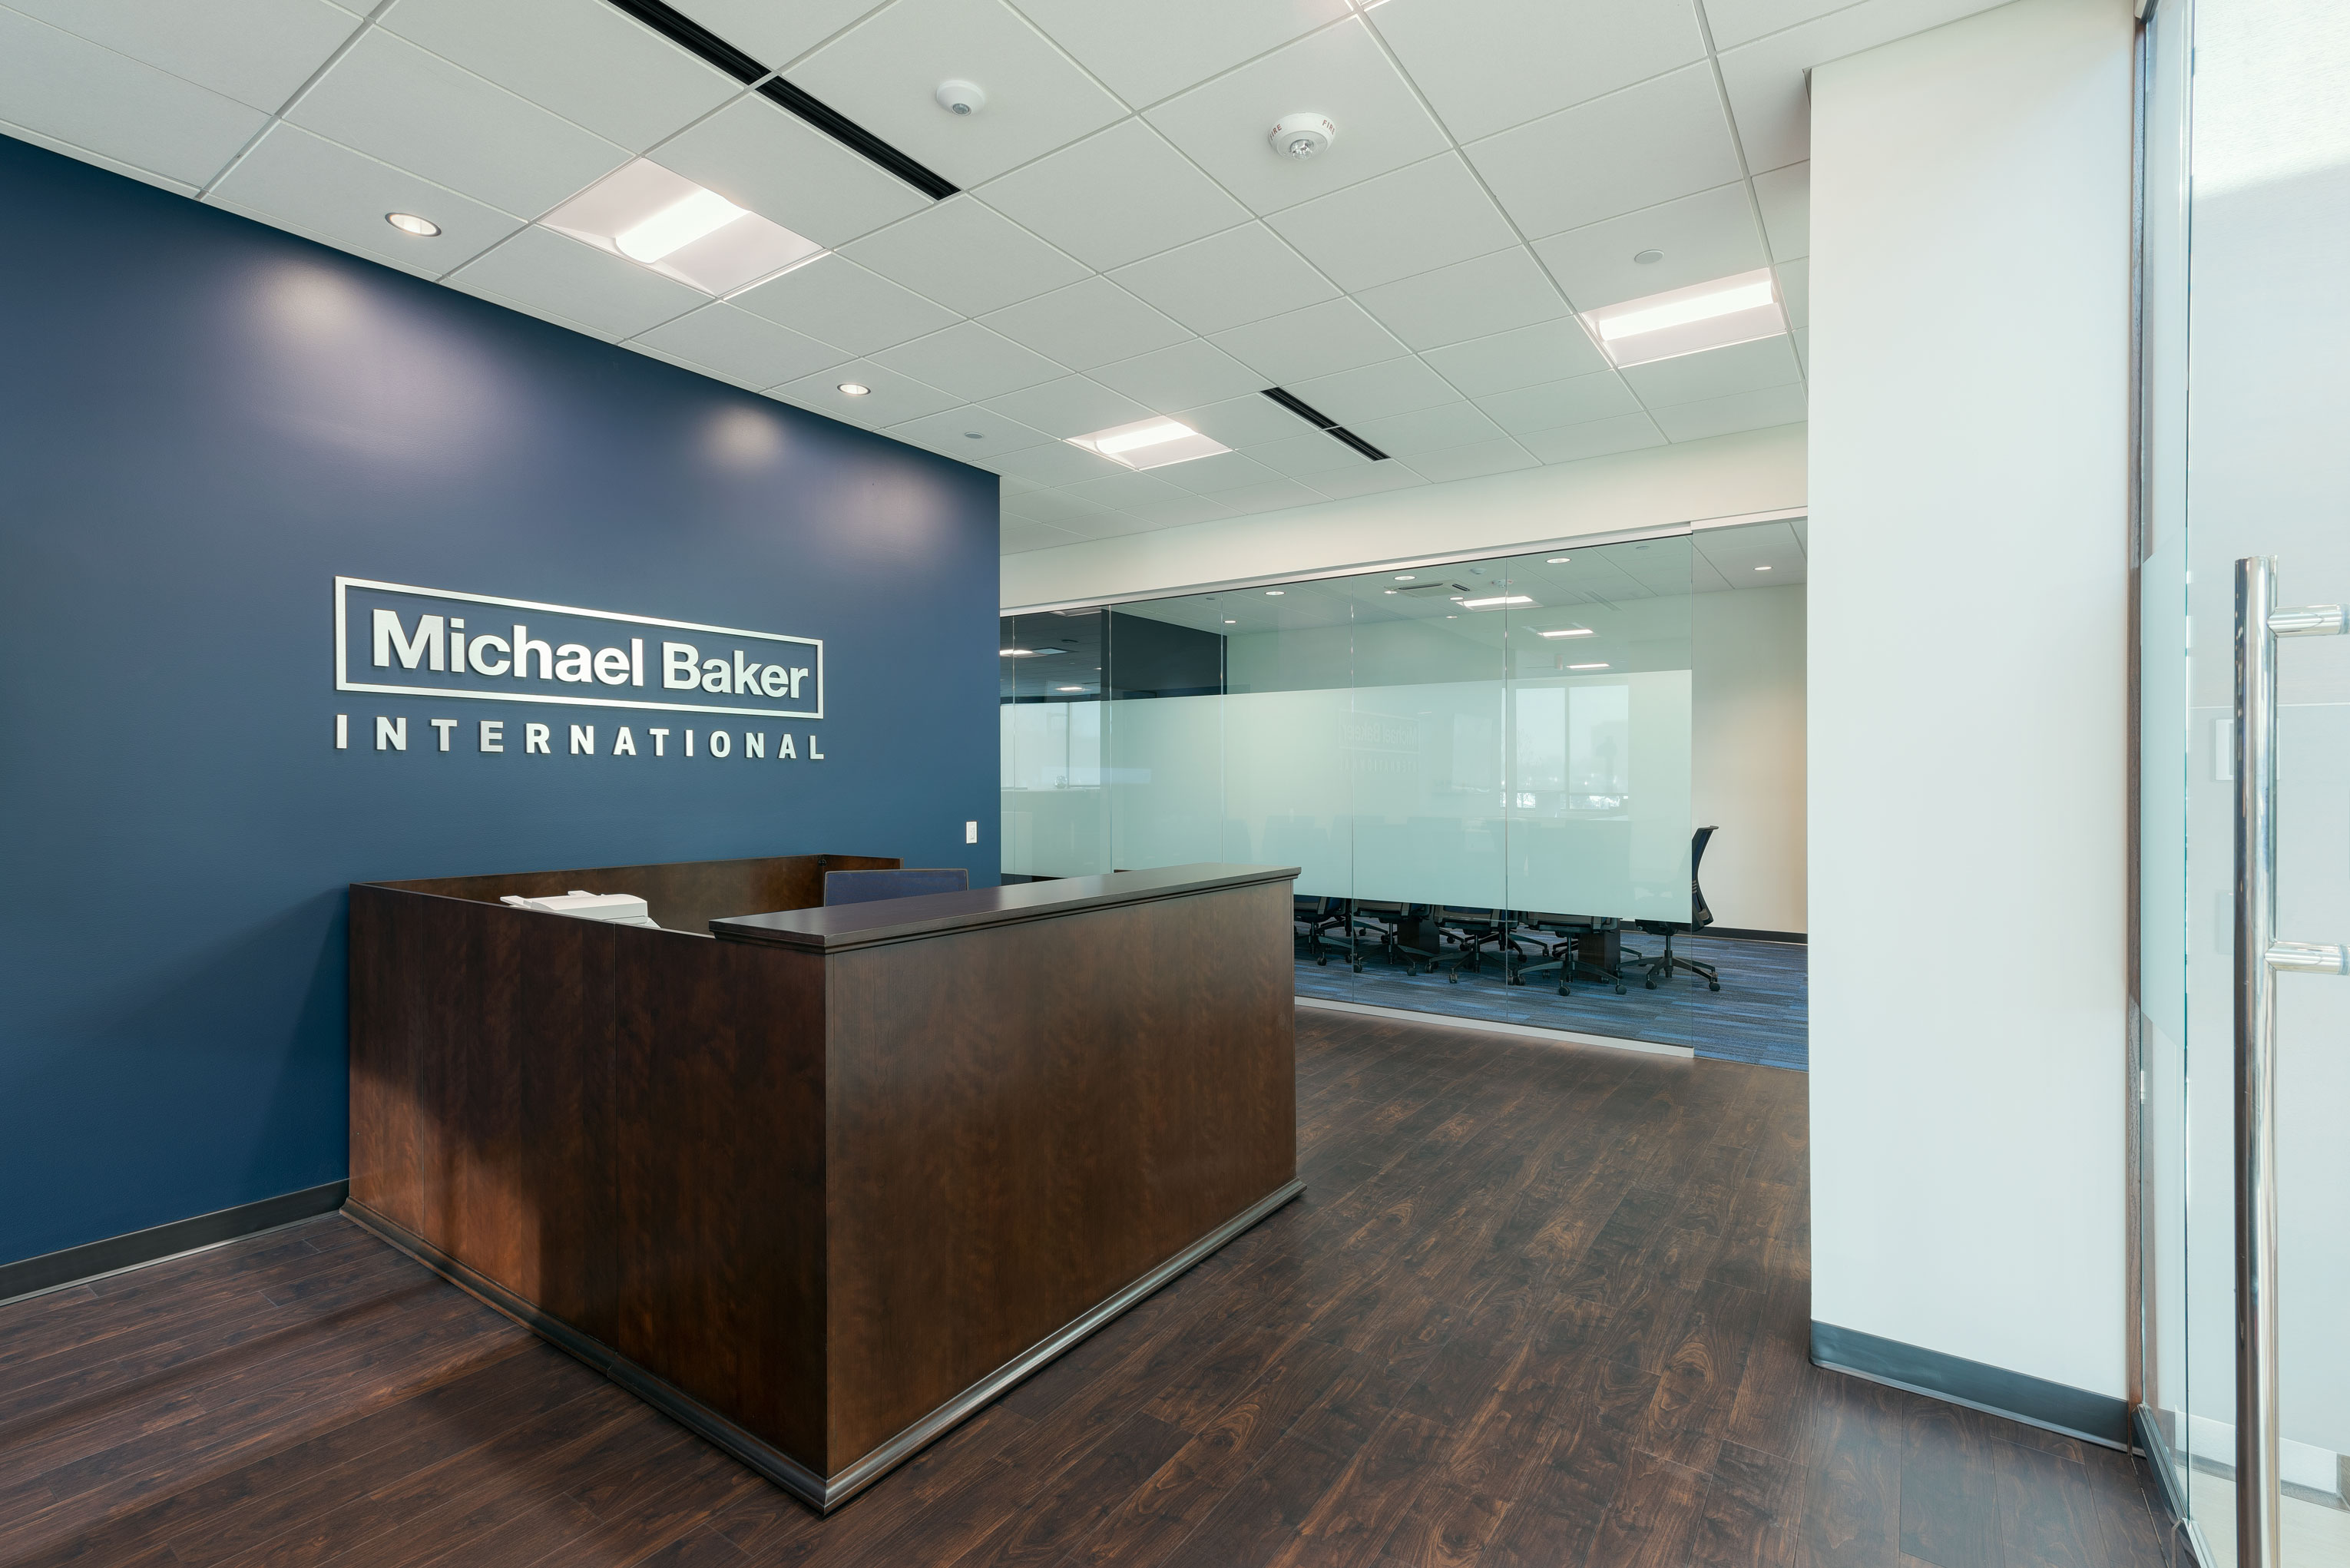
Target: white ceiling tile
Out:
[62,86]
[639,345]
[1340,72]
[101,160]
[1184,375]
[1736,22]
[1124,491]
[1240,275]
[884,73]
[1765,81]
[1115,198]
[1072,406]
[1367,480]
[1375,391]
[1487,64]
[1740,368]
[585,59]
[1576,400]
[966,255]
[547,273]
[1786,197]
[1087,323]
[1055,462]
[1468,299]
[1273,496]
[1802,337]
[1473,462]
[1796,291]
[1308,456]
[1523,358]
[741,347]
[254,51]
[1319,340]
[834,300]
[1709,235]
[1066,512]
[325,190]
[1413,220]
[776,35]
[1243,421]
[1146,49]
[414,110]
[1739,412]
[1184,510]
[1630,149]
[889,397]
[1019,536]
[971,362]
[1225,471]
[970,433]
[758,155]
[1428,429]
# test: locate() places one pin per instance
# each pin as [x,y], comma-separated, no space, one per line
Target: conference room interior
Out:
[1256,783]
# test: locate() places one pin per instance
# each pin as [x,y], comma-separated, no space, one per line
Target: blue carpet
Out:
[1760,1014]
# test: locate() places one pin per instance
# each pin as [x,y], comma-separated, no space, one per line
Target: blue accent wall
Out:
[204,421]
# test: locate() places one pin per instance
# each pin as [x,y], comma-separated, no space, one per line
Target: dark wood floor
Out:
[1541,1307]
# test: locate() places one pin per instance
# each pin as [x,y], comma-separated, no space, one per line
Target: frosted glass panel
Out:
[1287,785]
[1426,762]
[1056,823]
[1599,816]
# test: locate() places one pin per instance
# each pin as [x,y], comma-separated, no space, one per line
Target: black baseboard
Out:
[31,1276]
[2035,1401]
[1739,933]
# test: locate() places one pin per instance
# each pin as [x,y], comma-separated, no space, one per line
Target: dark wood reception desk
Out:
[824,1186]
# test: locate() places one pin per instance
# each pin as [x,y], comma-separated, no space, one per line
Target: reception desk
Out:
[824,1184]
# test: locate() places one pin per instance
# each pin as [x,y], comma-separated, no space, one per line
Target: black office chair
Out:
[1700,916]
[1382,919]
[1312,917]
[866,887]
[1566,943]
[1474,931]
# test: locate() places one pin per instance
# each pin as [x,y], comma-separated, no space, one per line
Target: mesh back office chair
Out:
[1314,918]
[1567,946]
[1700,916]
[865,886]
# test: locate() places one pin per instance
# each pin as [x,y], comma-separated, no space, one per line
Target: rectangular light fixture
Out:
[1150,443]
[1496,601]
[1586,667]
[661,220]
[1736,309]
[1030,652]
[1567,631]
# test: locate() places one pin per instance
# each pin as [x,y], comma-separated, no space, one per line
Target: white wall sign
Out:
[394,640]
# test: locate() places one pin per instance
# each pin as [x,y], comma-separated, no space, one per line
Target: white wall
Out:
[1746,753]
[1970,233]
[1725,476]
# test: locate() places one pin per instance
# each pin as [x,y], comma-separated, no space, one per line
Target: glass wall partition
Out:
[1483,770]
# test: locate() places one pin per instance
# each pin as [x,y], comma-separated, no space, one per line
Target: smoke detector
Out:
[962,96]
[1303,135]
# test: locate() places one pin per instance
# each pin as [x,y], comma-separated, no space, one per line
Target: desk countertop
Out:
[841,927]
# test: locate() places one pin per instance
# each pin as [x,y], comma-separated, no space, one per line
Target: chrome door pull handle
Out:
[2309,957]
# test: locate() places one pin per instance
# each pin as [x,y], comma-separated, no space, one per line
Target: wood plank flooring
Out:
[1541,1307]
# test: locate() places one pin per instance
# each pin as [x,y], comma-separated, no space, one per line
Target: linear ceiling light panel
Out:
[1150,443]
[1325,423]
[664,220]
[1737,309]
[700,41]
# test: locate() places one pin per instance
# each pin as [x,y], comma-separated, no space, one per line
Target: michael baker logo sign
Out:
[394,640]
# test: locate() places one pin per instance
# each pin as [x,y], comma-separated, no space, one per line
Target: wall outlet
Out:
[970,833]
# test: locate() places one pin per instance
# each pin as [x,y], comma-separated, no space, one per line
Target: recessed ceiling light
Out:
[973,435]
[1558,560]
[1403,576]
[1150,443]
[1761,569]
[409,224]
[1648,258]
[855,388]
[1737,309]
[1394,591]
[1068,688]
[1496,601]
[663,221]
[1586,667]
[1232,623]
[1567,631]
[1027,652]
[1274,593]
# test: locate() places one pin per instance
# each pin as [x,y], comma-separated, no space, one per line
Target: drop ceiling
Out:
[1123,243]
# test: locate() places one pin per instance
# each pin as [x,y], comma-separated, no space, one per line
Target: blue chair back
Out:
[865,886]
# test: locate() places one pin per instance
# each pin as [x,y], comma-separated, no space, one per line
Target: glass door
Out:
[2246,371]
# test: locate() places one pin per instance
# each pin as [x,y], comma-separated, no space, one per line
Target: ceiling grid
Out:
[1123,243]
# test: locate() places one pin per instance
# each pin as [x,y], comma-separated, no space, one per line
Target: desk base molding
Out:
[820,1492]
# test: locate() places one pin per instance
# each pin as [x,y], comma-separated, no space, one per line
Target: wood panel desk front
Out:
[828,1183]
